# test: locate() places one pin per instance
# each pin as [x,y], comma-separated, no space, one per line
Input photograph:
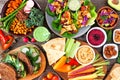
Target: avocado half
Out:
[113,5]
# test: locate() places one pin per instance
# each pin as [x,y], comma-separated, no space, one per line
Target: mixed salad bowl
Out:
[67,20]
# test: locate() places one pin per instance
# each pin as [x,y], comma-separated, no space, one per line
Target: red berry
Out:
[26,39]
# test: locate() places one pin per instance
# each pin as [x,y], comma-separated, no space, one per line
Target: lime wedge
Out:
[41,34]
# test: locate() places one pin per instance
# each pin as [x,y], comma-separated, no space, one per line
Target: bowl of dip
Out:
[85,55]
[96,37]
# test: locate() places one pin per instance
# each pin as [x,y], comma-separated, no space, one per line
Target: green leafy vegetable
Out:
[93,14]
[50,1]
[49,12]
[68,35]
[75,15]
[118,59]
[86,2]
[109,35]
[104,17]
[36,18]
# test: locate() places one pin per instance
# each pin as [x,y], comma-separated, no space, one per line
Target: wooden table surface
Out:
[98,3]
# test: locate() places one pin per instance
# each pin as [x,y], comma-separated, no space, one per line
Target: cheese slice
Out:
[54,55]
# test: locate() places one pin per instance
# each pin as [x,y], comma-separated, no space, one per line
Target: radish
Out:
[28,6]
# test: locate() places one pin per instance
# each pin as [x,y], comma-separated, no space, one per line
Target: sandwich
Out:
[17,65]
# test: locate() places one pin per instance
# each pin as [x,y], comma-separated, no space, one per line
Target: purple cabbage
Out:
[62,4]
[51,7]
[103,13]
[85,19]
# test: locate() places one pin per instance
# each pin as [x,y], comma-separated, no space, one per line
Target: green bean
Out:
[7,20]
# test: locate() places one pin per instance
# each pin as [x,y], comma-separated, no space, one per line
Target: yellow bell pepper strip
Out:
[60,63]
[64,68]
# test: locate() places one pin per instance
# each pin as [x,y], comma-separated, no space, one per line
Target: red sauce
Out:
[96,37]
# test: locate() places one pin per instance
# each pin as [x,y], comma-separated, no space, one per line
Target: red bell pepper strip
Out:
[9,42]
[3,38]
[73,62]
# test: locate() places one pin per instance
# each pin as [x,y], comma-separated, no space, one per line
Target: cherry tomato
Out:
[45,78]
[49,75]
[55,77]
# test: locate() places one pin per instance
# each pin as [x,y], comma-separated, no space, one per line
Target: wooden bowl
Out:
[101,24]
[3,15]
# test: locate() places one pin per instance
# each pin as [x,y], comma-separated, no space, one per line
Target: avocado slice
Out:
[114,4]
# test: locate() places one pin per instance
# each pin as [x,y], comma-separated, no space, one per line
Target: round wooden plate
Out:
[43,63]
[65,75]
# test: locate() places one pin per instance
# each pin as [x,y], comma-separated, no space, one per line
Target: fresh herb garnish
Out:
[104,17]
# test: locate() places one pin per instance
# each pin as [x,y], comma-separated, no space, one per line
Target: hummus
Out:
[85,54]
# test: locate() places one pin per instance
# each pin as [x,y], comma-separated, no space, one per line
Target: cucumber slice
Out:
[69,47]
[74,49]
[74,5]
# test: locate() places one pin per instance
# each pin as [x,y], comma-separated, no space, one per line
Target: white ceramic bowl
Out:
[87,54]
[116,48]
[114,36]
[105,37]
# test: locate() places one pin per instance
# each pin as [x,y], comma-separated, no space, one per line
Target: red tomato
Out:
[49,75]
[45,78]
[55,77]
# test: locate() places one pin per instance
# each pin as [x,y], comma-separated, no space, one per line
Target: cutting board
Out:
[115,66]
[65,75]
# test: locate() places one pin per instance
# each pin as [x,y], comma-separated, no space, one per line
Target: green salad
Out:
[71,15]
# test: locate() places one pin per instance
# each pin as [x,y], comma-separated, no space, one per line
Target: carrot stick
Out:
[90,70]
[114,15]
[80,69]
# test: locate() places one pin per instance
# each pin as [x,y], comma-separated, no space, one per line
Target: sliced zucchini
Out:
[74,5]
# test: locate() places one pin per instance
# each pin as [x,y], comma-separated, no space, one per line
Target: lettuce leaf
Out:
[93,14]
[68,35]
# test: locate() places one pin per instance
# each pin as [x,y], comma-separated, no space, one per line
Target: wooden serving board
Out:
[65,75]
[43,63]
[115,66]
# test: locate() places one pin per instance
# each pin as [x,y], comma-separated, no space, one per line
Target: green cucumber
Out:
[74,49]
[74,5]
[66,44]
[70,44]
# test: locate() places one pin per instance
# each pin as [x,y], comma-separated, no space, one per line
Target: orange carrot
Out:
[112,23]
[114,15]
[12,5]
[90,70]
